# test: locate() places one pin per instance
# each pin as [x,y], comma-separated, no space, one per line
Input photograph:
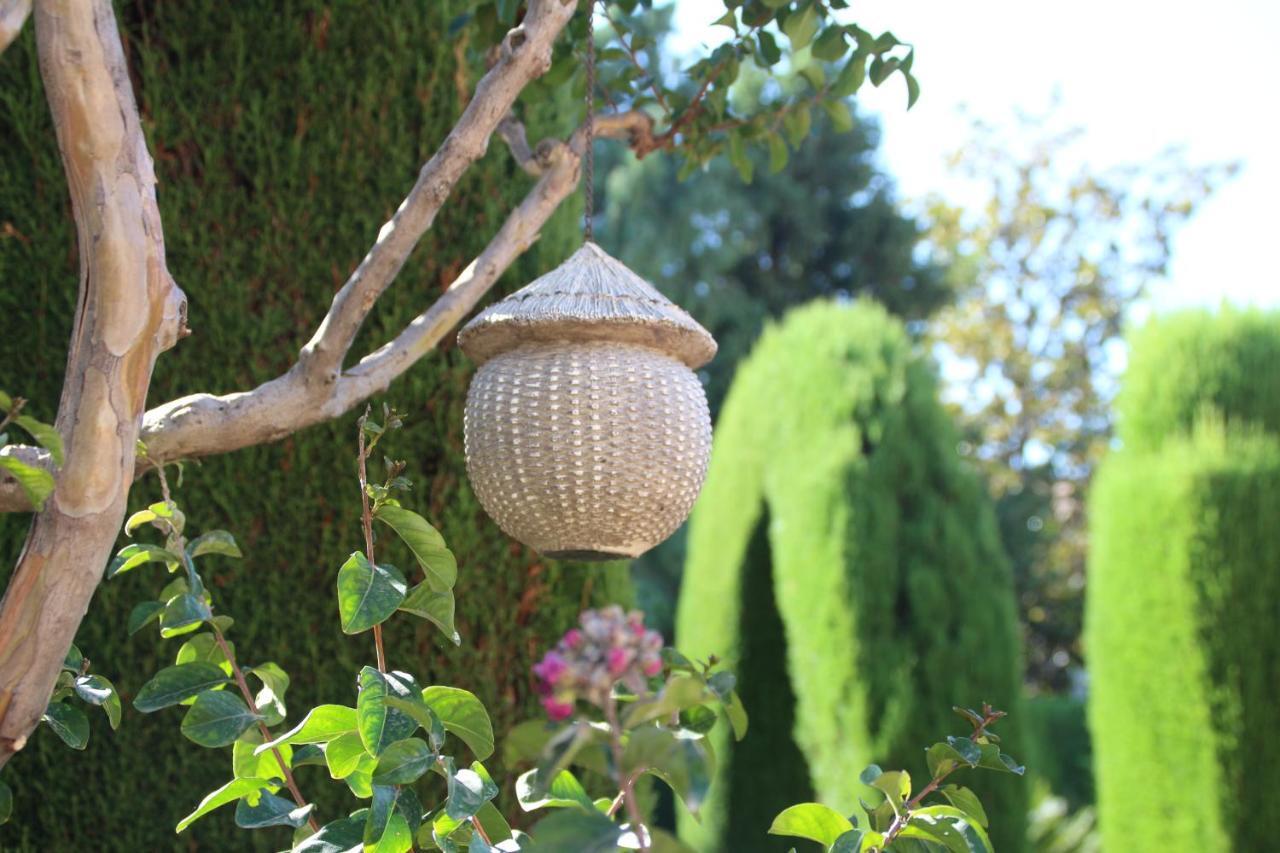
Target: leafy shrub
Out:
[842,553]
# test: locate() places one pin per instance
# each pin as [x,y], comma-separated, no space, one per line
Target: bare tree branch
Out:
[13,14]
[524,54]
[129,311]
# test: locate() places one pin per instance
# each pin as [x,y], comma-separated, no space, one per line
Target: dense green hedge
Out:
[842,553]
[285,134]
[1181,625]
[1059,752]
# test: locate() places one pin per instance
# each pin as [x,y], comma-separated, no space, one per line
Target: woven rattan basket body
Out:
[587,431]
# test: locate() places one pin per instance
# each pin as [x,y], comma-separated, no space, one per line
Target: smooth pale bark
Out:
[129,311]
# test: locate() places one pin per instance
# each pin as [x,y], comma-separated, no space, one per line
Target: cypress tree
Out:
[285,135]
[849,562]
[1181,622]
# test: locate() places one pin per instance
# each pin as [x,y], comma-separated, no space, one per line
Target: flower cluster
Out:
[610,646]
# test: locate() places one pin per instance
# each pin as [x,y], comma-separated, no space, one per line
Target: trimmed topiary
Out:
[284,137]
[849,561]
[1181,622]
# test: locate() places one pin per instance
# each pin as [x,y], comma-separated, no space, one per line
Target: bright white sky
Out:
[1138,75]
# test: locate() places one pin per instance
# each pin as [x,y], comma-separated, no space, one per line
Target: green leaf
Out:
[73,661]
[435,607]
[321,725]
[948,827]
[851,76]
[403,762]
[271,811]
[737,716]
[813,821]
[881,69]
[560,750]
[913,89]
[183,614]
[425,542]
[379,724]
[680,692]
[228,793]
[381,807]
[308,753]
[896,785]
[340,836]
[679,758]
[966,801]
[367,595]
[346,754]
[464,716]
[768,48]
[217,718]
[248,764]
[45,435]
[142,615]
[800,26]
[840,114]
[564,791]
[777,154]
[204,647]
[468,789]
[69,723]
[6,802]
[173,684]
[270,699]
[831,45]
[993,759]
[133,555]
[214,542]
[577,830]
[36,483]
[415,708]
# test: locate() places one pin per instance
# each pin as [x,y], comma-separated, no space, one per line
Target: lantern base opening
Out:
[586,556]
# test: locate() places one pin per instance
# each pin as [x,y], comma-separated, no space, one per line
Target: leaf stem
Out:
[367,522]
[627,783]
[262,727]
[13,412]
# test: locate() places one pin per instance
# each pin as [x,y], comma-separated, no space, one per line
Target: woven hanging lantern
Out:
[587,431]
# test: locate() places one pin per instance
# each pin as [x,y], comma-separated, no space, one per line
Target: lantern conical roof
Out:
[590,297]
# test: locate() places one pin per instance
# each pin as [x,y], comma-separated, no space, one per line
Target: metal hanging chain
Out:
[588,213]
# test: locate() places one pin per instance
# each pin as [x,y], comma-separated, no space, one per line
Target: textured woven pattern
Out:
[591,296]
[588,450]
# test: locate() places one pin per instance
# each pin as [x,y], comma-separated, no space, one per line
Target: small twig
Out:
[475,823]
[627,783]
[367,521]
[262,727]
[13,413]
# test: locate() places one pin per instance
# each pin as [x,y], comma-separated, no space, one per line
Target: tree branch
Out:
[13,14]
[129,310]
[525,53]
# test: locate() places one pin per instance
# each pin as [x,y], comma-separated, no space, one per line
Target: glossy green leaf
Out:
[464,716]
[321,725]
[913,89]
[851,76]
[564,791]
[417,710]
[246,763]
[214,542]
[966,801]
[577,830]
[468,789]
[778,153]
[403,762]
[682,691]
[831,45]
[813,821]
[172,684]
[840,114]
[367,595]
[204,647]
[217,718]
[435,607]
[381,807]
[380,724]
[44,434]
[271,811]
[768,48]
[73,661]
[679,758]
[340,836]
[738,157]
[133,555]
[270,699]
[228,793]
[344,754]
[69,723]
[183,614]
[800,26]
[36,483]
[425,542]
[896,785]
[143,614]
[737,715]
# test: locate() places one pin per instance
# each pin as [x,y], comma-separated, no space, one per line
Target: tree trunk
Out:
[129,311]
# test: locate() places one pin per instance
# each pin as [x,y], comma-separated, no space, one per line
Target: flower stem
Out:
[367,522]
[626,783]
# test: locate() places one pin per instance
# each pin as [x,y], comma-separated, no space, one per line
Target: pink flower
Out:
[618,659]
[551,668]
[652,667]
[572,638]
[556,709]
